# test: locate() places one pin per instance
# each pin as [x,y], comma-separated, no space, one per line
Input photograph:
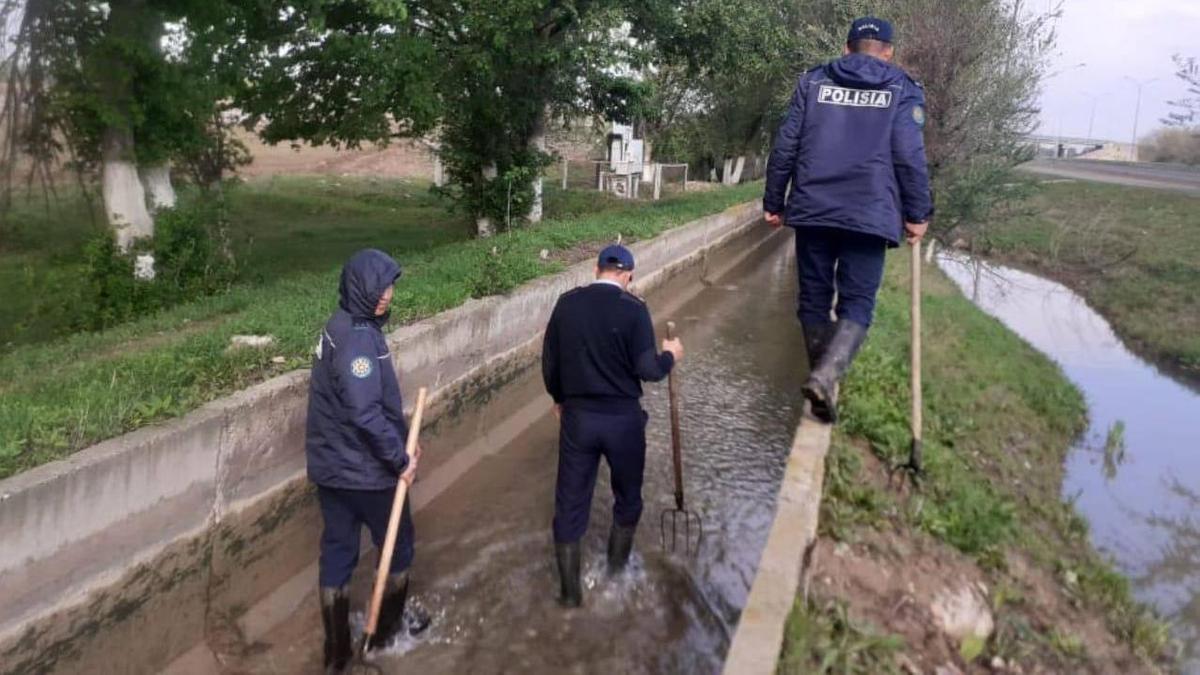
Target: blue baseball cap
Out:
[616,256]
[870,28]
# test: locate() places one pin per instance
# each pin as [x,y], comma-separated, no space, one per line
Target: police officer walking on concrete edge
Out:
[851,148]
[355,449]
[599,347]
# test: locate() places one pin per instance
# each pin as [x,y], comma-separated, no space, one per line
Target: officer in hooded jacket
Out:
[852,151]
[355,446]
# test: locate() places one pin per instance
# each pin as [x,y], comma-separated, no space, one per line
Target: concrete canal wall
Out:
[130,553]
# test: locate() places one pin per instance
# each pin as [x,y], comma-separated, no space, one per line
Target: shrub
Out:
[191,256]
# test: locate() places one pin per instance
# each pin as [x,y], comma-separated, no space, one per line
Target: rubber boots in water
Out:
[620,544]
[335,615]
[391,612]
[568,556]
[816,339]
[821,387]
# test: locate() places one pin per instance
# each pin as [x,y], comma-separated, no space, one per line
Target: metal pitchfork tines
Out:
[680,515]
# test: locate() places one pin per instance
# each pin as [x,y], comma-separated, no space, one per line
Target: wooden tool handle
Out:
[676,449]
[393,528]
[916,344]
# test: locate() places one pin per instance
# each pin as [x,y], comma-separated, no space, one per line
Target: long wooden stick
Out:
[676,449]
[393,529]
[915,365]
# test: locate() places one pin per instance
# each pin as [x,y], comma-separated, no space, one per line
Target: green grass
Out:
[278,227]
[58,397]
[1133,253]
[825,639]
[999,418]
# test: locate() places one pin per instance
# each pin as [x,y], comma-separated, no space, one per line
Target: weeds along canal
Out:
[484,565]
[1135,474]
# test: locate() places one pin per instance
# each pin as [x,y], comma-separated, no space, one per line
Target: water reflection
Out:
[1135,475]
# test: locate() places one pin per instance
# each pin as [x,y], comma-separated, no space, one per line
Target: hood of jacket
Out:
[862,71]
[365,277]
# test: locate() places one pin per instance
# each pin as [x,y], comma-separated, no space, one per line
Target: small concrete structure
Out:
[786,557]
[129,553]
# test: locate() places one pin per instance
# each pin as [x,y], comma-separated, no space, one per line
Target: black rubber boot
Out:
[821,387]
[391,613]
[816,339]
[620,545]
[335,615]
[568,556]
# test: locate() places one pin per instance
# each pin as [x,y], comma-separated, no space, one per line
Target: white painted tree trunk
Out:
[538,140]
[157,182]
[647,166]
[124,199]
[439,171]
[484,227]
[727,171]
[738,166]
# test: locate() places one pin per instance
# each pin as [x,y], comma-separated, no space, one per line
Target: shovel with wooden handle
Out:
[393,529]
[673,519]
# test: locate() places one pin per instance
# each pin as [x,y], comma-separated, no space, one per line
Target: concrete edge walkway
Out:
[760,631]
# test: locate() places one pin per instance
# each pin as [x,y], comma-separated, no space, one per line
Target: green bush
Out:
[192,259]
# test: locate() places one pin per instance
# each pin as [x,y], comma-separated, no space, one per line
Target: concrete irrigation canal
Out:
[191,547]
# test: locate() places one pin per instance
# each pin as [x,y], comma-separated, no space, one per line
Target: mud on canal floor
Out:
[484,565]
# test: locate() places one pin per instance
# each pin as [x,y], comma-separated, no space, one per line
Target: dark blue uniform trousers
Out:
[829,258]
[585,436]
[345,512]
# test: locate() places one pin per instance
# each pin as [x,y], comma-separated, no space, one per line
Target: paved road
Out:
[1138,175]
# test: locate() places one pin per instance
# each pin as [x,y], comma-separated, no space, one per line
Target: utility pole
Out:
[1137,110]
[1059,151]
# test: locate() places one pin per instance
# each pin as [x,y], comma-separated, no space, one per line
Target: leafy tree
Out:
[725,71]
[1186,111]
[981,63]
[508,68]
[91,85]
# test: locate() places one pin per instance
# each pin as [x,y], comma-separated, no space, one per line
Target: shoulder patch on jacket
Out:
[918,115]
[362,367]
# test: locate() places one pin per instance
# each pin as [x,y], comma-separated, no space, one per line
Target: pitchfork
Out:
[678,515]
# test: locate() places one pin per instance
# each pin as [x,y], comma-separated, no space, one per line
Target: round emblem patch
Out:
[361,367]
[919,115]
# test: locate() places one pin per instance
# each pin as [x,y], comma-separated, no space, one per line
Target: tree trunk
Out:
[726,171]
[484,227]
[124,199]
[647,161]
[157,182]
[537,139]
[738,166]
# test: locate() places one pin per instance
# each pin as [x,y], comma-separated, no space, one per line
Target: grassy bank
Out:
[58,397]
[1133,253]
[999,418]
[278,227]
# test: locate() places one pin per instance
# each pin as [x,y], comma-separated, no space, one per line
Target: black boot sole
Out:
[822,408]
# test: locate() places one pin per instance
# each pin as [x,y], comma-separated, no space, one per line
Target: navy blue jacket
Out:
[599,348]
[356,429]
[851,147]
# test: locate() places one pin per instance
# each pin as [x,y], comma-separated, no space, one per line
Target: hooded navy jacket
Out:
[851,147]
[356,429]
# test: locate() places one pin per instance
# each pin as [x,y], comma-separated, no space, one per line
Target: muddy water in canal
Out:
[1135,475]
[484,565]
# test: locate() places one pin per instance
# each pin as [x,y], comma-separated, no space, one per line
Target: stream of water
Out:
[1135,474]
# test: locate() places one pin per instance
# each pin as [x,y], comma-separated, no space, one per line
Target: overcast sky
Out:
[1117,39]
